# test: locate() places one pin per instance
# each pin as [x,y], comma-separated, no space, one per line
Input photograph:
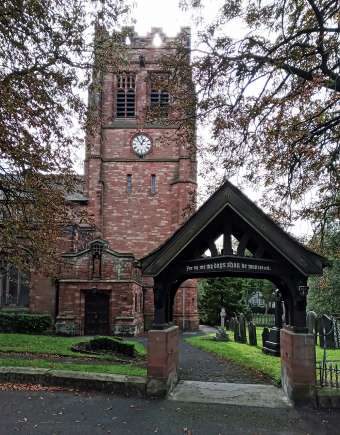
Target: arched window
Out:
[125,96]
[14,287]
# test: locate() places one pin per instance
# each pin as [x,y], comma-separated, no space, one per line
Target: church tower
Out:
[140,176]
[140,183]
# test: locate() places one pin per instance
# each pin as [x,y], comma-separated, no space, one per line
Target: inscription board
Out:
[240,265]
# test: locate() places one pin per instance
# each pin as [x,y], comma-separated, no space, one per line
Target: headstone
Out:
[326,332]
[265,335]
[336,325]
[227,324]
[221,334]
[242,329]
[278,309]
[222,314]
[284,322]
[236,331]
[252,334]
[232,324]
[272,344]
[311,321]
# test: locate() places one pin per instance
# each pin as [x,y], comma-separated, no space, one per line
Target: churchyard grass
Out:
[113,369]
[47,344]
[332,354]
[41,347]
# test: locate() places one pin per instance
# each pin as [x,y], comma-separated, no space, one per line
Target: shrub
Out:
[106,345]
[24,322]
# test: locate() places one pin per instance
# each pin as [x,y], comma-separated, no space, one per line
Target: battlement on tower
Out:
[156,38]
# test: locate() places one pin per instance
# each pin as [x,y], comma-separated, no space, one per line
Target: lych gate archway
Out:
[249,245]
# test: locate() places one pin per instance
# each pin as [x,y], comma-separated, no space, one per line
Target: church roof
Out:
[77,194]
[229,196]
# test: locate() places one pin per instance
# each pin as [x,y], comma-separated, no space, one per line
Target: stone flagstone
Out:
[256,395]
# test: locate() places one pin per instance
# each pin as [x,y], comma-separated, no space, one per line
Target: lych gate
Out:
[249,245]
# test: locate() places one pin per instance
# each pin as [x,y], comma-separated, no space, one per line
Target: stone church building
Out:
[139,178]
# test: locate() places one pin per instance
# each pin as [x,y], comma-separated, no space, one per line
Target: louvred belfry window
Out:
[159,96]
[126,96]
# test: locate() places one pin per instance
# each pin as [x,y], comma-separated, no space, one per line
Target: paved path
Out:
[197,365]
[69,413]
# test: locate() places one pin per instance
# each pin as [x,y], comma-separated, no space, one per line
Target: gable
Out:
[229,204]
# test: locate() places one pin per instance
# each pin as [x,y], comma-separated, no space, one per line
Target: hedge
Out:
[24,322]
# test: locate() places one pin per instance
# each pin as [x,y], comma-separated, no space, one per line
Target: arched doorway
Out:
[251,245]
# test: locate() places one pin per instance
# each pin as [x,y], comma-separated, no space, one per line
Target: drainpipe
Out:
[56,303]
[183,308]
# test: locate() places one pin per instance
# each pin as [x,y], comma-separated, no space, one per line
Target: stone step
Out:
[258,395]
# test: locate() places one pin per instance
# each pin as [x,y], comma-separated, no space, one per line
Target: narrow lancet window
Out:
[129,183]
[153,184]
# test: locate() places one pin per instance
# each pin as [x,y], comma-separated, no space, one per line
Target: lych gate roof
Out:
[228,197]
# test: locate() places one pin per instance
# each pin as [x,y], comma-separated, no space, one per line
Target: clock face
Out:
[141,144]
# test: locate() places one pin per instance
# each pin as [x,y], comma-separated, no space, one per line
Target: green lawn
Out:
[332,354]
[61,346]
[52,345]
[118,369]
[250,356]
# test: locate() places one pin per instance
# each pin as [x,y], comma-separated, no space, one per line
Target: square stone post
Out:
[162,360]
[298,366]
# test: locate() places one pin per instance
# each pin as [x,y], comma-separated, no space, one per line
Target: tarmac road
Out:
[68,413]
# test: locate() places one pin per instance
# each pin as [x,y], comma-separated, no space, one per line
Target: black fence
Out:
[327,370]
[328,373]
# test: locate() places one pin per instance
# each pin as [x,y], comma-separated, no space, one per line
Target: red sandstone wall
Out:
[42,294]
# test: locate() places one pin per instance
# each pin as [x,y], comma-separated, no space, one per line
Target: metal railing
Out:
[328,373]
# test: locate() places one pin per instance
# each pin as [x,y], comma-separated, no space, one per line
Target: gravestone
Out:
[311,321]
[232,324]
[242,329]
[283,314]
[252,334]
[326,332]
[265,335]
[272,344]
[227,327]
[336,326]
[222,314]
[236,331]
[221,334]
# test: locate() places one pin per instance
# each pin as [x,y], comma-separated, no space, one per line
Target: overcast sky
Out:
[160,13]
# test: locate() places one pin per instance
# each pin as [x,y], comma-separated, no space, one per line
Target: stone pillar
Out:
[298,366]
[162,360]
